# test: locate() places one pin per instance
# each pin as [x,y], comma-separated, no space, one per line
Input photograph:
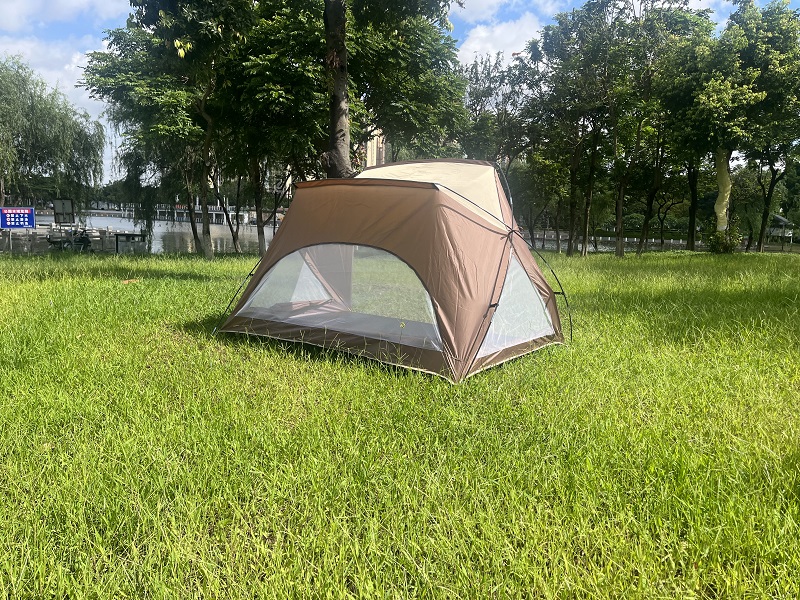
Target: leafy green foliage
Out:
[495,101]
[408,85]
[629,103]
[771,53]
[46,144]
[236,86]
[723,242]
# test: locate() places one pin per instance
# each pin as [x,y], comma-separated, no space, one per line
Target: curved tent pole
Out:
[506,187]
[235,296]
[475,204]
[507,190]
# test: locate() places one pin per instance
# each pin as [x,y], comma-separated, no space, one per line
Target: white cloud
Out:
[26,14]
[545,8]
[475,11]
[506,37]
[483,11]
[60,63]
[721,9]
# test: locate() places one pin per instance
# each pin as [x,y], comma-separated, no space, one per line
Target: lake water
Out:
[172,238]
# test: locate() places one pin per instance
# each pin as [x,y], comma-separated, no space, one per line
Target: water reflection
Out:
[173,238]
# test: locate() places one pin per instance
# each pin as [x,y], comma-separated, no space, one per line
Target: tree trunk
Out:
[619,228]
[655,186]
[722,158]
[193,220]
[337,159]
[767,194]
[557,226]
[237,205]
[587,200]
[190,209]
[573,199]
[532,223]
[648,216]
[206,245]
[531,228]
[749,235]
[693,174]
[622,187]
[256,177]
[237,247]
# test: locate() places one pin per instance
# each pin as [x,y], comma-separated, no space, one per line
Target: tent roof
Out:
[472,183]
[781,220]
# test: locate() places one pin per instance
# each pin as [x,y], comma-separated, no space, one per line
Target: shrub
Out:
[723,242]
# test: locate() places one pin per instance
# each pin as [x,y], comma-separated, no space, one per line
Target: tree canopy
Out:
[245,89]
[627,103]
[619,118]
[47,146]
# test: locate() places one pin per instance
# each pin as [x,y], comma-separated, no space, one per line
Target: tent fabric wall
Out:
[459,251]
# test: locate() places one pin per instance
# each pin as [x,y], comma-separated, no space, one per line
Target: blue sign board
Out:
[17,217]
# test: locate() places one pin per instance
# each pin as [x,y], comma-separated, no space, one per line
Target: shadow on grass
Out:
[204,328]
[123,267]
[679,317]
[299,351]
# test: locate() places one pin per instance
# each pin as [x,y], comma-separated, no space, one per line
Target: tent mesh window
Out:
[521,315]
[350,289]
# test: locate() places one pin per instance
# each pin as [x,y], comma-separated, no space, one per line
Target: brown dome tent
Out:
[415,264]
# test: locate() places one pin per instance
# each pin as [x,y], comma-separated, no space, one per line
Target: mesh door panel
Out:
[520,316]
[289,281]
[349,289]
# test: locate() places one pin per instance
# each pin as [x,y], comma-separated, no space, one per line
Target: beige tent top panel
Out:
[474,182]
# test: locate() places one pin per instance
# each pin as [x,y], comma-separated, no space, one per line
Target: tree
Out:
[483,76]
[576,53]
[770,53]
[383,15]
[142,85]
[273,72]
[46,144]
[746,201]
[669,198]
[724,102]
[649,66]
[203,34]
[237,89]
[791,200]
[407,85]
[499,103]
[684,72]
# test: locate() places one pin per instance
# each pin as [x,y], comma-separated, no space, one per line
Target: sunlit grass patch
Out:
[656,455]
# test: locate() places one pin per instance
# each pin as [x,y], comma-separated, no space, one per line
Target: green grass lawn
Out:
[655,456]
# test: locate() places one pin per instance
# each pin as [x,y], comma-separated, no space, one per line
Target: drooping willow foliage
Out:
[48,147]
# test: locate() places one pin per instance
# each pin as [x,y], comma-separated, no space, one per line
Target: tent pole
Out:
[558,281]
[532,246]
[236,295]
[506,187]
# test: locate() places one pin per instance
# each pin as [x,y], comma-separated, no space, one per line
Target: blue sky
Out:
[53,36]
[488,26]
